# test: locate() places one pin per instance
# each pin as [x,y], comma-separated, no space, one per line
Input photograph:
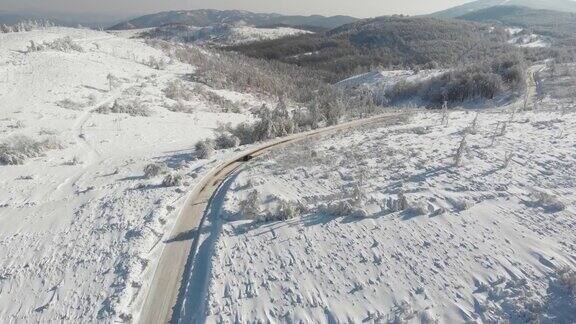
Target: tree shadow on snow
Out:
[560,304]
[95,89]
[310,220]
[176,160]
[132,178]
[186,236]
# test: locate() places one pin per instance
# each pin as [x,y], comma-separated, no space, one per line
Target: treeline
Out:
[280,121]
[386,43]
[25,26]
[478,81]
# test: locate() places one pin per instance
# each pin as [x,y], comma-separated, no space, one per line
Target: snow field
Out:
[483,241]
[80,226]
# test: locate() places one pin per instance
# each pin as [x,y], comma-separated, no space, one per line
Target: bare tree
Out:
[461,151]
[111,81]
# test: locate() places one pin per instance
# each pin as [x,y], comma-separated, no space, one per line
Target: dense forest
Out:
[385,42]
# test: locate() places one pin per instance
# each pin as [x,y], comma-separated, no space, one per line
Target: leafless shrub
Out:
[547,201]
[287,210]
[205,149]
[181,106]
[65,44]
[445,115]
[176,90]
[156,63]
[399,203]
[17,149]
[112,81]
[473,128]
[250,207]
[417,208]
[172,180]
[227,106]
[402,313]
[461,151]
[503,128]
[19,125]
[347,207]
[90,100]
[497,132]
[69,104]
[225,141]
[133,108]
[77,105]
[460,204]
[153,169]
[74,161]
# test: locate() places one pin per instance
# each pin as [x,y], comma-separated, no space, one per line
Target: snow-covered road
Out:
[175,290]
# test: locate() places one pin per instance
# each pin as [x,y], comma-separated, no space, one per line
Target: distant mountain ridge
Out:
[557,5]
[60,19]
[208,17]
[541,21]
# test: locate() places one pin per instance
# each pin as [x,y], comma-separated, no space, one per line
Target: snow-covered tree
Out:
[250,207]
[172,180]
[205,149]
[112,81]
[461,151]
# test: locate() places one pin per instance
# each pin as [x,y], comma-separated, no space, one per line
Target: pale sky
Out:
[358,8]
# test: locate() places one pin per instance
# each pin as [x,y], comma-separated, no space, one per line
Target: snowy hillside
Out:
[219,35]
[479,5]
[387,79]
[82,113]
[381,83]
[426,216]
[392,224]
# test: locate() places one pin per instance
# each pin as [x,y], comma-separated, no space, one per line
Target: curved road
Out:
[169,280]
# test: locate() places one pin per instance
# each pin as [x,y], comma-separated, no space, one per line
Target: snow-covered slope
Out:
[486,241]
[449,218]
[247,34]
[80,225]
[384,80]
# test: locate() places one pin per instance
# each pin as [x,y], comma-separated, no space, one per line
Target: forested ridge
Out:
[386,42]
